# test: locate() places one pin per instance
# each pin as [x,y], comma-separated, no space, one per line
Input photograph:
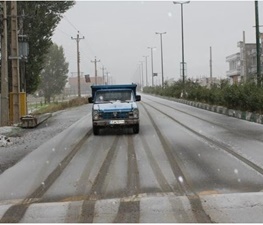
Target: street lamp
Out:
[161,37]
[258,45]
[141,63]
[146,70]
[182,25]
[152,61]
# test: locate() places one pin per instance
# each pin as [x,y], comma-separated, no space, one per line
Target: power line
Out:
[63,32]
[84,52]
[71,23]
[90,48]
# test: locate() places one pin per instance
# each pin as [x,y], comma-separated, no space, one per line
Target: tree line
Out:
[39,19]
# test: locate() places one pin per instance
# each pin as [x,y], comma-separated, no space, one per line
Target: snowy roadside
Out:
[4,139]
[16,142]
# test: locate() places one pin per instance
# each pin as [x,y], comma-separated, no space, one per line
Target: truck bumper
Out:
[115,123]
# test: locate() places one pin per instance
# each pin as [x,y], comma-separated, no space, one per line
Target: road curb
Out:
[30,121]
[244,115]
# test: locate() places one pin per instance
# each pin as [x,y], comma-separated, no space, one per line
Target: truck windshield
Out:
[114,95]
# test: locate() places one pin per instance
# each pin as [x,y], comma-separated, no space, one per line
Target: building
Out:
[243,64]
[234,72]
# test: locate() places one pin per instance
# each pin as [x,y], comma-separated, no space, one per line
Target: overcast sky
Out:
[119,32]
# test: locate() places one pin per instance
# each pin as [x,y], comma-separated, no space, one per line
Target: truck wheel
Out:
[136,129]
[96,130]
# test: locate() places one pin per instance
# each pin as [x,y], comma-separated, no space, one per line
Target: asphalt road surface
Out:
[185,165]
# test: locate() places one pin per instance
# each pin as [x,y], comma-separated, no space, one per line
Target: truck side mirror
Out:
[90,99]
[138,98]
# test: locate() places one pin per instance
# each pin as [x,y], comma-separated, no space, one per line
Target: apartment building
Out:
[243,64]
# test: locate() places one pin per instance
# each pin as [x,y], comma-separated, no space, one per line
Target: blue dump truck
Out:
[115,106]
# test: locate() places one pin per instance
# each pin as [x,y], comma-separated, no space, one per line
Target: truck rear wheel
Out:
[96,130]
[136,129]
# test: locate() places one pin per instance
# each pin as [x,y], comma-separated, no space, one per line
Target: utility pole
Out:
[107,77]
[258,46]
[211,75]
[152,61]
[103,76]
[95,62]
[146,70]
[15,65]
[4,68]
[23,53]
[78,61]
[161,38]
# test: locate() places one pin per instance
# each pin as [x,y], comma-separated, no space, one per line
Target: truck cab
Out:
[115,106]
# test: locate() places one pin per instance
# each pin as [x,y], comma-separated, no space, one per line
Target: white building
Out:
[243,64]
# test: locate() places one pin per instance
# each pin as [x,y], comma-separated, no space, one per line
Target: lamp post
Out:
[161,37]
[152,61]
[141,63]
[258,45]
[146,75]
[182,25]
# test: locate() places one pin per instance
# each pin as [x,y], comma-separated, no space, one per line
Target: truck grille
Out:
[115,115]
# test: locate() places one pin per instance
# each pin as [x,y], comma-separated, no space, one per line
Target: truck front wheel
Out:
[136,129]
[96,130]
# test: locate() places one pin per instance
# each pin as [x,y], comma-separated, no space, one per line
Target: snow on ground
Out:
[23,141]
[4,141]
[4,130]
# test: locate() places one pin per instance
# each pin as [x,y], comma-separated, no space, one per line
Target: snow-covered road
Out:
[185,165]
[23,141]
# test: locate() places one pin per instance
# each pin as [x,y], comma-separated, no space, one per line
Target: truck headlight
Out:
[134,114]
[95,115]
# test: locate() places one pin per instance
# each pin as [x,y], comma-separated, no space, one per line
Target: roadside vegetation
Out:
[53,77]
[245,96]
[57,106]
